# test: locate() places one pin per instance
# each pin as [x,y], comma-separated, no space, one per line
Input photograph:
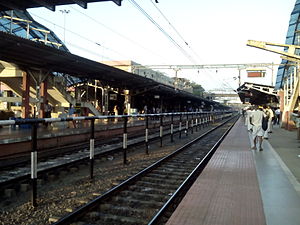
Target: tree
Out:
[197,89]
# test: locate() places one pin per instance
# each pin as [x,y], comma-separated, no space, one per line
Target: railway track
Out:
[114,136]
[66,157]
[150,196]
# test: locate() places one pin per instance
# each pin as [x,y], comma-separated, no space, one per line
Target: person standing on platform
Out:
[145,109]
[277,116]
[271,118]
[48,110]
[71,113]
[116,112]
[247,118]
[257,131]
[266,131]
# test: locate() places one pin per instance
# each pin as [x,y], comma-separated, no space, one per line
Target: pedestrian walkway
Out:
[287,150]
[278,171]
[243,186]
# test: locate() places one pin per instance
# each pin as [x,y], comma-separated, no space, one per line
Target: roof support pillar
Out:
[25,95]
[105,99]
[44,97]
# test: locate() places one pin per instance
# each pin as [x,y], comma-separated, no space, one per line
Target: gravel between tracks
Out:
[67,191]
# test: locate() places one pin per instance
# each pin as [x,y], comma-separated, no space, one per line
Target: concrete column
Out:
[289,124]
[281,106]
[25,95]
[106,99]
[281,99]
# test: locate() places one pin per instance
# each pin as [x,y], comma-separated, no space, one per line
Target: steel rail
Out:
[94,203]
[189,180]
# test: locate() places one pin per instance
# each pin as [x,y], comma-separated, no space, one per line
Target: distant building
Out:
[224,96]
[133,67]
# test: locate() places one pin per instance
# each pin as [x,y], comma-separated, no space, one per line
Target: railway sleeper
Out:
[183,169]
[109,219]
[157,180]
[179,164]
[131,202]
[151,190]
[144,196]
[160,185]
[172,165]
[169,176]
[161,173]
[123,210]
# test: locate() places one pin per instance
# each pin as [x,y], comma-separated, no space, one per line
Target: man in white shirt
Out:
[270,115]
[257,131]
[248,115]
[277,116]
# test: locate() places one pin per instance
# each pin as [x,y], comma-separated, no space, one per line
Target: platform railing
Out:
[198,119]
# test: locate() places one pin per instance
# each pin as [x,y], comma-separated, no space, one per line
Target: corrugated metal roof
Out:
[49,4]
[292,38]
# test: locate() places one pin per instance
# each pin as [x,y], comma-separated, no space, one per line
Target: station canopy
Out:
[257,94]
[33,56]
[49,4]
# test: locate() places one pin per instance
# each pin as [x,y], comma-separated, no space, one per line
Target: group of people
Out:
[70,113]
[259,122]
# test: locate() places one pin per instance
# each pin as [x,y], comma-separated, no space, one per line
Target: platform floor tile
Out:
[227,192]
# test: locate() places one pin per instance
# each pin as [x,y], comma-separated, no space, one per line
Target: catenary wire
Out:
[173,27]
[183,51]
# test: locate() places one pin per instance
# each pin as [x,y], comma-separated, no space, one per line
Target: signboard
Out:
[113,97]
[256,73]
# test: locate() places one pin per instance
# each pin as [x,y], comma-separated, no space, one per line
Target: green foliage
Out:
[198,89]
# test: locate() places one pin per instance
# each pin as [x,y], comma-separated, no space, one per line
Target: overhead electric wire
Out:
[119,34]
[89,51]
[183,51]
[161,13]
[186,43]
[128,39]
[168,36]
[85,38]
[171,25]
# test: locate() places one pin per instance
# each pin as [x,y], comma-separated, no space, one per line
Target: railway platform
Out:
[10,134]
[243,186]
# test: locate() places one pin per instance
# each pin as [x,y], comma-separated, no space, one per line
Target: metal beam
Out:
[9,5]
[118,2]
[16,99]
[81,3]
[207,66]
[264,45]
[45,4]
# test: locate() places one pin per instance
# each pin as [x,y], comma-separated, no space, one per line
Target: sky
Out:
[187,33]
